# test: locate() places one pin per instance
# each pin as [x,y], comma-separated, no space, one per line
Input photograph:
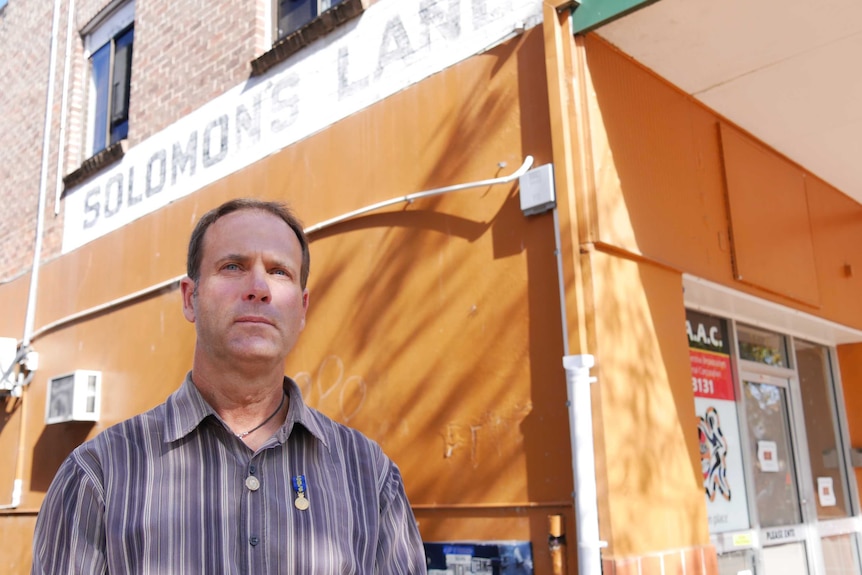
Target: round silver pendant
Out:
[252,482]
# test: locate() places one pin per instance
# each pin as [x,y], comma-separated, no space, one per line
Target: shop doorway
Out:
[795,457]
[778,498]
[774,451]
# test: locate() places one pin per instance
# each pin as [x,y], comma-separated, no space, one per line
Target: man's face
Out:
[248,306]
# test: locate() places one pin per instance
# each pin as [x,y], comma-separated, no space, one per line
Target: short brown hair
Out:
[195,254]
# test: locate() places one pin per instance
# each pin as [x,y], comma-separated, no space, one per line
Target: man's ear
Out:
[304,307]
[187,288]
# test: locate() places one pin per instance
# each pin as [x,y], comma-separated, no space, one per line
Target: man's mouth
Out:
[254,319]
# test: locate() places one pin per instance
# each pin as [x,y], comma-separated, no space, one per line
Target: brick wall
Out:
[186,53]
[25,28]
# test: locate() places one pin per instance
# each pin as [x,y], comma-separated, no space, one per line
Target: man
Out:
[233,473]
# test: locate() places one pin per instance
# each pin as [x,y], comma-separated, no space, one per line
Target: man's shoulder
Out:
[111,449]
[126,434]
[338,435]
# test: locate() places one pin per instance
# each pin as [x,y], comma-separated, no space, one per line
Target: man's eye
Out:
[280,272]
[231,267]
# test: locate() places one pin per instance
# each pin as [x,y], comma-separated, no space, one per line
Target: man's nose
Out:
[258,285]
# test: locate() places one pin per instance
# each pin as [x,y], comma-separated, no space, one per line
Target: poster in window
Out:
[767,456]
[826,492]
[718,423]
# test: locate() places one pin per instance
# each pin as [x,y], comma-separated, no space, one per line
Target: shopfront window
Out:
[762,346]
[821,427]
[784,392]
[828,468]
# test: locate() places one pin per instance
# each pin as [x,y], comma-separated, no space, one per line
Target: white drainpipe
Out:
[578,384]
[29,318]
[579,381]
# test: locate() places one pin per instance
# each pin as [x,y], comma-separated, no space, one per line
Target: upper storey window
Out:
[300,22]
[294,14]
[108,45]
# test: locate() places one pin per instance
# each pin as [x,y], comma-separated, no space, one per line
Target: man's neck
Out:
[242,397]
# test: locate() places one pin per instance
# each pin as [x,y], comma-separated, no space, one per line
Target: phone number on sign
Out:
[703,385]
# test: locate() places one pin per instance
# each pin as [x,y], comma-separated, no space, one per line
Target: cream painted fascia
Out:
[706,296]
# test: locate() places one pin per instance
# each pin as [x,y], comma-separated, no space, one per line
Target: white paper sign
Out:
[721,464]
[767,455]
[825,492]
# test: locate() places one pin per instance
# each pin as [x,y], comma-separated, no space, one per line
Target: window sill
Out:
[92,166]
[317,28]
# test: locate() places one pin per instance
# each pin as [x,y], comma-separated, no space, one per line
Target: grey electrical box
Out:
[537,190]
[485,557]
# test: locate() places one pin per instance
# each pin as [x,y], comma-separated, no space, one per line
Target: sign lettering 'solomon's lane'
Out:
[203,150]
[394,44]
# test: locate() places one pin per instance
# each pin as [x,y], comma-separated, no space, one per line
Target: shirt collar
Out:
[300,413]
[185,409]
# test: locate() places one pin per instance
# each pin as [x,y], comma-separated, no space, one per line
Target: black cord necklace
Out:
[265,421]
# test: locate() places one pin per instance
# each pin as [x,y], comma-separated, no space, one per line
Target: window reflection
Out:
[771,451]
[762,346]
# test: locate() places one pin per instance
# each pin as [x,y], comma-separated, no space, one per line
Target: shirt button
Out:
[253,540]
[252,469]
[252,482]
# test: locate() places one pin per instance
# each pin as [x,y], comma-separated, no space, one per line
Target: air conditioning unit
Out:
[74,397]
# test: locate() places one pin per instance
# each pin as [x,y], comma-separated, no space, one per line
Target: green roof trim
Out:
[591,14]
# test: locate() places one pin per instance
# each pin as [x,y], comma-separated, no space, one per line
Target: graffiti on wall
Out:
[331,389]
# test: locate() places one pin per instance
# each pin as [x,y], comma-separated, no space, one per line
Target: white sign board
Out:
[392,45]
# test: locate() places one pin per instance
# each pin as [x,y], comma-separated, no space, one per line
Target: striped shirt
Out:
[173,491]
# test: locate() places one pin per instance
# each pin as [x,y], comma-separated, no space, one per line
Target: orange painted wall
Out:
[672,189]
[650,482]
[434,327]
[661,192]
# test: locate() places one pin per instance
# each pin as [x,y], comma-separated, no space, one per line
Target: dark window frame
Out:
[319,26]
[113,110]
[291,15]
[111,121]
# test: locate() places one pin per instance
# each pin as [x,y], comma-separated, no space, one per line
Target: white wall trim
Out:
[709,297]
[106,25]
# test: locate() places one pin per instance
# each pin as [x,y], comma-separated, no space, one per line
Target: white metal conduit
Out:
[410,198]
[172,283]
[43,182]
